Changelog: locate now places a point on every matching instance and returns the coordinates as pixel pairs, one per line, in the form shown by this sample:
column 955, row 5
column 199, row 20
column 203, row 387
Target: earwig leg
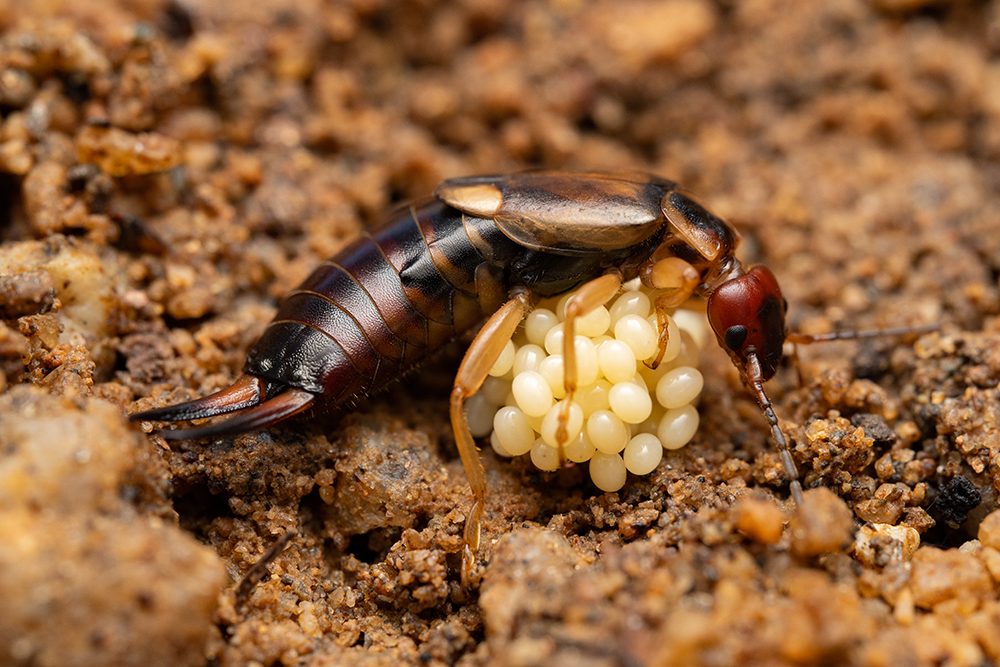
column 246, row 392
column 476, row 365
column 591, row 295
column 679, row 279
column 755, row 379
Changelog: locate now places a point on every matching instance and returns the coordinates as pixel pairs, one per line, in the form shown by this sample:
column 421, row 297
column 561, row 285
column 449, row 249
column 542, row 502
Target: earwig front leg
column 591, row 295
column 476, row 365
column 680, row 280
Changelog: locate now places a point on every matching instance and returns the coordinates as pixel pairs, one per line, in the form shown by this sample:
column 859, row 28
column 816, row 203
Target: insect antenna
column 807, row 339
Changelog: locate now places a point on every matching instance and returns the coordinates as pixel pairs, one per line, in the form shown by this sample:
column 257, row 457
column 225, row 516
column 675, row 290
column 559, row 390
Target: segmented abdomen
column 378, row 307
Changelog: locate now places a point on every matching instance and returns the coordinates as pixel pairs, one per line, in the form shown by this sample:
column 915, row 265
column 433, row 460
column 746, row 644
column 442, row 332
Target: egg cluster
column 613, row 420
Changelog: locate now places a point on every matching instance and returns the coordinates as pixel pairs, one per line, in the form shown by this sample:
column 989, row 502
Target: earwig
column 486, row 248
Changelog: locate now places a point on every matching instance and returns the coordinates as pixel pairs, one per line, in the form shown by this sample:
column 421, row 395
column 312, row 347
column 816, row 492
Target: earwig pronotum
column 487, row 247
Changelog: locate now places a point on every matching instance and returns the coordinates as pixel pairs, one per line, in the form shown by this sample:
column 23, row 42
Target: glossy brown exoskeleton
column 485, row 248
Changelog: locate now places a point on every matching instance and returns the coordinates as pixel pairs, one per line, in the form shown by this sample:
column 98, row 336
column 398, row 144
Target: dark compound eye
column 735, row 337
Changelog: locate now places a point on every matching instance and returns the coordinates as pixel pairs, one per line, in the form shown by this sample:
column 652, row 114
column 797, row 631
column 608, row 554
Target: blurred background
column 170, row 168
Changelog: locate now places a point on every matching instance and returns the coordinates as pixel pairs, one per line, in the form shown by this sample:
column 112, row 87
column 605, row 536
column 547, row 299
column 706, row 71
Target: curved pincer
column 248, row 396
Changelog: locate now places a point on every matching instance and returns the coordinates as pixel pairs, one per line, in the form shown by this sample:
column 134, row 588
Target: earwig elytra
column 486, row 248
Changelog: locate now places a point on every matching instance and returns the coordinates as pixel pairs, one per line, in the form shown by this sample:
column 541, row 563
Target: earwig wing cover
column 563, row 213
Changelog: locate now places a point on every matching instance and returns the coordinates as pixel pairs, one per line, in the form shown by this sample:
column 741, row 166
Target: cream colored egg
column 679, row 387
column 638, row 334
column 498, row 447
column 550, row 423
column 505, row 361
column 677, row 427
column 532, row 392
column 607, row 431
column 538, row 323
column 696, row 324
column 512, row 431
column 544, row 456
column 642, row 454
column 581, row 449
column 594, row 323
column 553, row 371
column 553, row 343
column 527, row 358
column 594, row 397
column 588, row 367
column 631, row 302
column 617, row 361
column 479, row 412
column 607, row 471
column 495, row 390
column 630, row 402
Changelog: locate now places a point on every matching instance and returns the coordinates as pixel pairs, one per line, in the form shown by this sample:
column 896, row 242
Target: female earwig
column 486, row 247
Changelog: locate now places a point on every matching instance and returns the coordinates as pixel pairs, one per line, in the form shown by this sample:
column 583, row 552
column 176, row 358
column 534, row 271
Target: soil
column 170, row 168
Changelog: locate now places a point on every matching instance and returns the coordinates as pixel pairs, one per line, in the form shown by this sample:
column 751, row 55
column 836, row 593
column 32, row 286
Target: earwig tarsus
column 487, row 247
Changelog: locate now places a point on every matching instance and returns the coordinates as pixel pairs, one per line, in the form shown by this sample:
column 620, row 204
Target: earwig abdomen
column 429, row 273
column 376, row 309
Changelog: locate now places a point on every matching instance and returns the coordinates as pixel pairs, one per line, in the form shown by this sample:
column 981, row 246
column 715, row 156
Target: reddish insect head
column 747, row 314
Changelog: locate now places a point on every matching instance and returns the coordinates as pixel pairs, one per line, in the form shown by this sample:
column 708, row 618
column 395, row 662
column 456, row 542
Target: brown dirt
column 169, row 168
